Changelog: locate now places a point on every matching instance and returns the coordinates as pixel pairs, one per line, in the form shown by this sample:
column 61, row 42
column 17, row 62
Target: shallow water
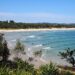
column 51, row 42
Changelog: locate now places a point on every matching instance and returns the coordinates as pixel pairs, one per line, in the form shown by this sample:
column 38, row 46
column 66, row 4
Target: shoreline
column 31, row 29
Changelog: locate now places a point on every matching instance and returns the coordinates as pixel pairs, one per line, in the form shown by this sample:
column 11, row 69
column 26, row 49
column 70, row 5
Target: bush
column 4, row 51
column 19, row 46
column 24, row 65
column 38, row 53
column 8, row 71
column 69, row 56
column 49, row 69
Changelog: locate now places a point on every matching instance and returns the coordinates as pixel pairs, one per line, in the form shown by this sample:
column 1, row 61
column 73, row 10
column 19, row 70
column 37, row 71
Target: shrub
column 69, row 56
column 19, row 46
column 24, row 65
column 49, row 69
column 38, row 53
column 4, row 51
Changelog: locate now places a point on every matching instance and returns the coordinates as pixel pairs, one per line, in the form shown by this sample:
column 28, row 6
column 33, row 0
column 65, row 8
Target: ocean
column 50, row 42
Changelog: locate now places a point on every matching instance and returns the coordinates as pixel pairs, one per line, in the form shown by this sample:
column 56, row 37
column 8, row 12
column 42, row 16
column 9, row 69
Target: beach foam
column 31, row 36
column 47, row 48
column 40, row 45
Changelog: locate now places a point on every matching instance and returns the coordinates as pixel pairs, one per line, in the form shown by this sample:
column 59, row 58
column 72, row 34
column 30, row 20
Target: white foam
column 47, row 48
column 40, row 45
column 31, row 36
column 29, row 49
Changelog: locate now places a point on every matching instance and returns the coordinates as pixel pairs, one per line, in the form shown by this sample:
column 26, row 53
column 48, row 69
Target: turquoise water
column 51, row 42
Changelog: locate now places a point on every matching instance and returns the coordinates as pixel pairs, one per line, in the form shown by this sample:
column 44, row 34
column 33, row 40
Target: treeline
column 20, row 25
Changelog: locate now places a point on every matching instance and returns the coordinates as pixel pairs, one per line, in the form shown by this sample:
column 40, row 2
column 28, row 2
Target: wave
column 47, row 48
column 31, row 36
column 39, row 45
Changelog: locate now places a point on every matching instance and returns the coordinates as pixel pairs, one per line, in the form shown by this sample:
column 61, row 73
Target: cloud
column 37, row 17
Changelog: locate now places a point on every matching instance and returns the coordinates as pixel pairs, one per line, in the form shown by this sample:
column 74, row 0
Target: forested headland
column 19, row 25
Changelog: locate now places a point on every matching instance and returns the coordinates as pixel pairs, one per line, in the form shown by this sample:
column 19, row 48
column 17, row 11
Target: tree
column 11, row 21
column 1, row 46
column 4, row 51
column 69, row 56
column 19, row 47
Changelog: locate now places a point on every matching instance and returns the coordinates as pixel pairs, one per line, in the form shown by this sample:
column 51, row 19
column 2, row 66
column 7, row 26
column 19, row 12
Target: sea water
column 50, row 42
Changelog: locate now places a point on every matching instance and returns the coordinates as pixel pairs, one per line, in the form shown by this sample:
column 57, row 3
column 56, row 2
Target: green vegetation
column 38, row 53
column 69, row 56
column 25, row 68
column 20, row 67
column 19, row 46
column 4, row 51
column 13, row 25
column 49, row 69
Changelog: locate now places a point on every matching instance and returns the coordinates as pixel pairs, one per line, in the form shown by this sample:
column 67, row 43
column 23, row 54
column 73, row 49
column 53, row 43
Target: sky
column 34, row 11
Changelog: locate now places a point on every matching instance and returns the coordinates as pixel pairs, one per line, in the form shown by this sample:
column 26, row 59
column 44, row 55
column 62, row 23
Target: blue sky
column 51, row 11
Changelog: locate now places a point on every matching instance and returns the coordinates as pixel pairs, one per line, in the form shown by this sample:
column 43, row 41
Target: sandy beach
column 41, row 29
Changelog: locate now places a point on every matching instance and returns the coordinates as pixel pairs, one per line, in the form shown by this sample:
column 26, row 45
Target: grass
column 24, row 68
